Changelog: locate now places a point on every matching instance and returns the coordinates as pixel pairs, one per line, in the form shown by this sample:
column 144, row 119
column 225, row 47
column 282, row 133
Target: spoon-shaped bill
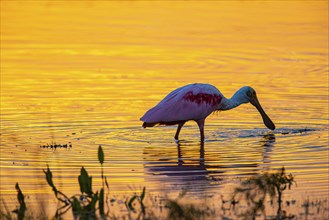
column 267, row 121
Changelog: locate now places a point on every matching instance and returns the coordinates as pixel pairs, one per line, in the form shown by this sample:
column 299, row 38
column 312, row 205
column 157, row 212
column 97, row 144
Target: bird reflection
column 180, row 158
column 187, row 169
column 184, row 167
column 183, row 171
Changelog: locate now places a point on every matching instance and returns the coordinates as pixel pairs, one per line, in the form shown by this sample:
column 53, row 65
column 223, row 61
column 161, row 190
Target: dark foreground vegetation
column 252, row 195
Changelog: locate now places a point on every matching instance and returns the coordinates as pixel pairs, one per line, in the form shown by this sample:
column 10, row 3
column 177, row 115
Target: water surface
column 83, row 73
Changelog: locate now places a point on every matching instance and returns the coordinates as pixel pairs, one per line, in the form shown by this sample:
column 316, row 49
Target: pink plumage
column 190, row 102
column 197, row 101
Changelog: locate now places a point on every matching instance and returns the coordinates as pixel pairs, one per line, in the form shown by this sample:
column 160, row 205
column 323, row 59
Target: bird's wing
column 191, row 102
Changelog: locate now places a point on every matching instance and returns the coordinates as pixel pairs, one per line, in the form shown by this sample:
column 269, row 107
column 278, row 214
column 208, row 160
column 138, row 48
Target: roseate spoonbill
column 197, row 101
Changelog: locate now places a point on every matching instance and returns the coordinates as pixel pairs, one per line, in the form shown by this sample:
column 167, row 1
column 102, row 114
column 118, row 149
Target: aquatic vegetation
column 84, row 204
column 21, row 211
column 22, row 206
column 255, row 189
column 129, row 203
column 179, row 210
column 55, row 146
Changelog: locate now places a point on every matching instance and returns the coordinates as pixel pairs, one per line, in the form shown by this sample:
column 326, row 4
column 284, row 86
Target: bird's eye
column 249, row 94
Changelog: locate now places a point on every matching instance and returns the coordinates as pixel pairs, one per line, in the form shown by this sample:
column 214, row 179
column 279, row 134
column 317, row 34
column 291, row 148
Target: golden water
column 84, row 72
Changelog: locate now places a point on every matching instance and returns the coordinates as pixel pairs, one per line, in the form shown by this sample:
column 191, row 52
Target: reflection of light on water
column 268, row 144
column 89, row 83
column 182, row 173
column 183, row 170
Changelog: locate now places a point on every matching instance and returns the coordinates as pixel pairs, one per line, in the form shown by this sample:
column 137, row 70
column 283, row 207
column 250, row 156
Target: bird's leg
column 180, row 125
column 201, row 127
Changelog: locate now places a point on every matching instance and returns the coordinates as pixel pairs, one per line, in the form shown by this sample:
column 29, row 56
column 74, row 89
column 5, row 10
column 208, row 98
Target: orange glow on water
column 84, row 72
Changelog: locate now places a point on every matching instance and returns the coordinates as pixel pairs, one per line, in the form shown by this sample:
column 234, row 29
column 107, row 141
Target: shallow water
column 87, row 71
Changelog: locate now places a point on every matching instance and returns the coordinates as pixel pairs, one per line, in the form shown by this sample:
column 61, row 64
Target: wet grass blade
column 49, row 178
column 130, row 203
column 143, row 194
column 22, row 206
column 101, row 202
column 85, row 182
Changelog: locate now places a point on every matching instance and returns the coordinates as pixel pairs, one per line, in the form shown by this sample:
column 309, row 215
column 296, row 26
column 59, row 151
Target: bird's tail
column 145, row 124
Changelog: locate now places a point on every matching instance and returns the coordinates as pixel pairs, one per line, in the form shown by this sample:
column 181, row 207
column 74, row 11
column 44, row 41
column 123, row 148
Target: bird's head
column 247, row 94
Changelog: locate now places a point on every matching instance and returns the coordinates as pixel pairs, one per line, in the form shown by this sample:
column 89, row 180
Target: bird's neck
column 233, row 102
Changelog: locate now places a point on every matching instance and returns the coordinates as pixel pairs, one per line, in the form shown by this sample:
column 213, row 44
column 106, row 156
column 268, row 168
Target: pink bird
column 197, row 101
